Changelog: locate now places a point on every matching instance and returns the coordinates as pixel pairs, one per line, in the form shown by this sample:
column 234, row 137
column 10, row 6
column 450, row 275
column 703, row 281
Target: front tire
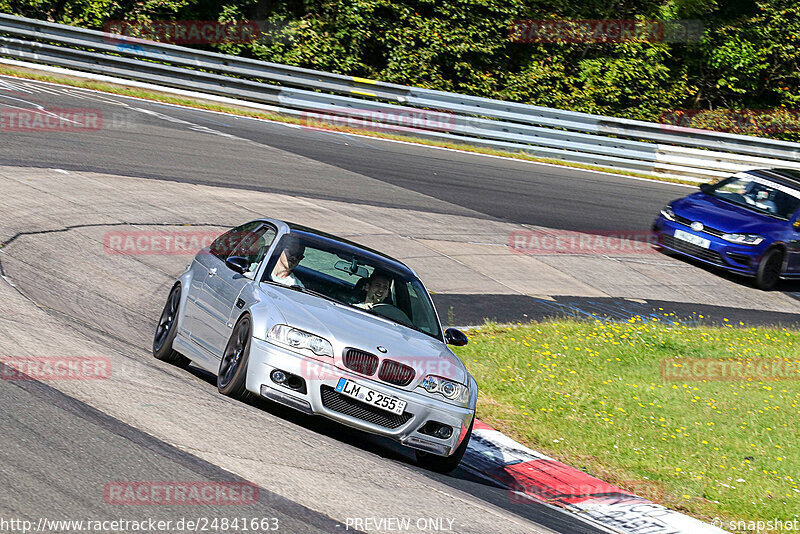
column 232, row 375
column 442, row 464
column 769, row 270
column 167, row 329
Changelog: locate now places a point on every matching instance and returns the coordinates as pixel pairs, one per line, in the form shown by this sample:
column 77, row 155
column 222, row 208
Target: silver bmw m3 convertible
column 327, row 327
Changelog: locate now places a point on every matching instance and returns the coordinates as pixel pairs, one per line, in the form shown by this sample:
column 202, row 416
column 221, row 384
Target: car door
column 193, row 317
column 196, row 316
column 199, row 272
column 222, row 286
column 793, row 246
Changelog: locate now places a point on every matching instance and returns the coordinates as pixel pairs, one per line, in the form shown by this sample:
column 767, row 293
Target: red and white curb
column 530, row 475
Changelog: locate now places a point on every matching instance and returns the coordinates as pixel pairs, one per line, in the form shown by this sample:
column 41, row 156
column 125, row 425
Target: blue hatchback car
column 747, row 224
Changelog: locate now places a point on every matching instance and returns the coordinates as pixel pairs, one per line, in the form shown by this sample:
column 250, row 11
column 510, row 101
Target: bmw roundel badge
column 382, row 349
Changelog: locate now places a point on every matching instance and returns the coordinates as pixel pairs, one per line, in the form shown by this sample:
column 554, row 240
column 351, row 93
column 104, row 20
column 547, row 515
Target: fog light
column 277, row 376
column 444, row 432
column 437, row 430
column 294, row 382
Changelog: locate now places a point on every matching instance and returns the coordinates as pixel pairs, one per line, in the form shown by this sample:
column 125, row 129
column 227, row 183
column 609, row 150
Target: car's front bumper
column 321, row 378
column 742, row 259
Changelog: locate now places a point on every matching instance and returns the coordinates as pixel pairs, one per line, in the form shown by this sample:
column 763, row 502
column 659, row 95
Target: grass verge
column 74, row 81
column 595, row 396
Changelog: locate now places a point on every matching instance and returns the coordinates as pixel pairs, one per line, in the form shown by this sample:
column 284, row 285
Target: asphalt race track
column 152, row 167
column 172, row 143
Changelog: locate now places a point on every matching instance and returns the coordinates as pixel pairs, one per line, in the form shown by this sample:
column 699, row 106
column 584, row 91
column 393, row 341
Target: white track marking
column 12, row 87
column 43, row 89
column 193, row 126
column 40, row 109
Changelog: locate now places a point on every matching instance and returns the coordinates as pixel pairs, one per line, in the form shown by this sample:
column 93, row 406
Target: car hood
column 724, row 216
column 346, row 327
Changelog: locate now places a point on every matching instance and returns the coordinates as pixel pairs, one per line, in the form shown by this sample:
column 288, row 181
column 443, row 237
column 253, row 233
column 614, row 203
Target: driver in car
column 377, row 288
column 763, row 201
column 290, row 256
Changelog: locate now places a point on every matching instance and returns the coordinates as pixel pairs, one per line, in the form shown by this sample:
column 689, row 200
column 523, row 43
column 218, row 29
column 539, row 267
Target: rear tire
column 167, row 329
column 769, row 270
column 232, row 375
column 442, row 464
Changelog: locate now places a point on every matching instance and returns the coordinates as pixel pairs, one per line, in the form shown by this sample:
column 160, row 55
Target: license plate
column 691, row 238
column 370, row 396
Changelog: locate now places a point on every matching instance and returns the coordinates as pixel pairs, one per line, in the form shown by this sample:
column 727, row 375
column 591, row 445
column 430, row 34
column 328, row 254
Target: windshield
column 758, row 194
column 352, row 276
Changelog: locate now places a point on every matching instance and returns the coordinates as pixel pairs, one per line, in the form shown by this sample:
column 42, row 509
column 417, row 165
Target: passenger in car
column 377, row 289
column 291, row 255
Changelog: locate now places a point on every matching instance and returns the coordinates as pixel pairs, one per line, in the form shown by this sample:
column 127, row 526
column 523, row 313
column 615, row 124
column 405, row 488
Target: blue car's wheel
column 769, row 269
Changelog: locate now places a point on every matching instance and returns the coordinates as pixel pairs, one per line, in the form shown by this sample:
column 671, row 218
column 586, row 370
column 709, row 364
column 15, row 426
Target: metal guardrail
column 544, row 132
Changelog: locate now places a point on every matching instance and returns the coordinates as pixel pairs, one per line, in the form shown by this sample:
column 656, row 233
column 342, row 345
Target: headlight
column 298, row 339
column 448, row 389
column 743, row 239
column 667, row 212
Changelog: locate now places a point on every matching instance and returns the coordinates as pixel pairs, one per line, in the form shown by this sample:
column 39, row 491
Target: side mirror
column 238, row 264
column 705, row 188
column 453, row 336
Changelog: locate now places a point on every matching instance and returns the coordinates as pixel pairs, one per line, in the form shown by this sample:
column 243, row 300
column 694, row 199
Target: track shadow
column 463, row 478
column 472, row 309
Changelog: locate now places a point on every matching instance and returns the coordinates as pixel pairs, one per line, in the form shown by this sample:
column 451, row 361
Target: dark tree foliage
column 747, row 58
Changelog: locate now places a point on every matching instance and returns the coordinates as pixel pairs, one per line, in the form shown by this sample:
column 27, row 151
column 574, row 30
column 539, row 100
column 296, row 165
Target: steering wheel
column 390, row 311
